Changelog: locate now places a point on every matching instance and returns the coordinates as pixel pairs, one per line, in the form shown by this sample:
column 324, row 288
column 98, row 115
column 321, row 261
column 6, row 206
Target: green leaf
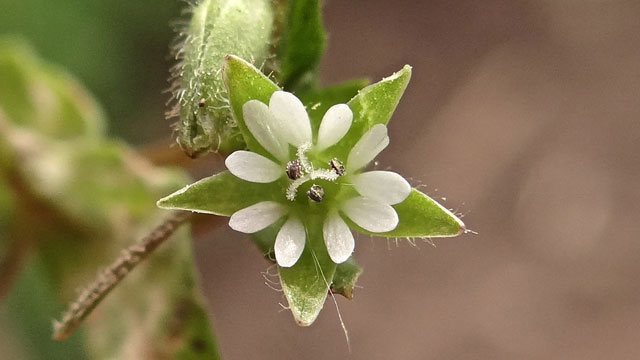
column 421, row 216
column 306, row 284
column 217, row 28
column 220, row 194
column 302, row 45
column 373, row 105
column 344, row 281
column 244, row 82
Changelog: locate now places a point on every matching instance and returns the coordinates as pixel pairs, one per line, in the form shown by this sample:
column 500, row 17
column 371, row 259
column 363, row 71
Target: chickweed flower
column 301, row 185
column 312, row 180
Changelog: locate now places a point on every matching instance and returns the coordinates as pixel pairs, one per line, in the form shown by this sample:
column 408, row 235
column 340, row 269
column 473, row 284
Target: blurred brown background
column 525, row 116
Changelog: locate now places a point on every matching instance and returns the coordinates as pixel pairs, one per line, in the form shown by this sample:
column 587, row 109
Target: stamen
column 293, row 169
column 324, row 174
column 295, row 184
column 302, row 149
column 337, row 166
column 301, row 171
column 316, row 193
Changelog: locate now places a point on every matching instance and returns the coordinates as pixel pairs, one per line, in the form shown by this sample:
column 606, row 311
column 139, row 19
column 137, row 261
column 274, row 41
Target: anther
column 202, row 102
column 337, row 166
column 315, row 193
column 294, row 169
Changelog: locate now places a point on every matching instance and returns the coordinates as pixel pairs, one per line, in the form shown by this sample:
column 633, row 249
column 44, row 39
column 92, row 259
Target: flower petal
column 368, row 147
column 290, row 242
column 384, row 186
column 257, row 216
column 253, row 167
column 291, row 116
column 334, row 126
column 370, row 214
column 265, row 128
column 338, row 238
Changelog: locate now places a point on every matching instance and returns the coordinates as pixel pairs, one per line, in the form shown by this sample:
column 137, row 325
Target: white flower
column 283, row 129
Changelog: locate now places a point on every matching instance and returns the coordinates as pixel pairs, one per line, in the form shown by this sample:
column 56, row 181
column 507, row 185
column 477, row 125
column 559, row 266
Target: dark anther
column 294, row 169
column 315, row 193
column 202, row 102
column 337, row 166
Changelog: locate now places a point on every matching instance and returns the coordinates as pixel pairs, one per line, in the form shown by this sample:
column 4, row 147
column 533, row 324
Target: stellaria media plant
column 297, row 155
column 300, row 188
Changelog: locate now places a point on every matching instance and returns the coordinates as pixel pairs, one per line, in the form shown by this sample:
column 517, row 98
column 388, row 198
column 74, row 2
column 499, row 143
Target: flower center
column 301, row 170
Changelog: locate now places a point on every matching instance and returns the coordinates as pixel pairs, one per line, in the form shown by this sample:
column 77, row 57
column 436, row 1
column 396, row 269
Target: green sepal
column 344, row 281
column 220, row 194
column 318, row 102
column 372, row 105
column 302, row 44
column 346, row 275
column 306, row 284
column 245, row 82
column 421, row 216
column 266, row 238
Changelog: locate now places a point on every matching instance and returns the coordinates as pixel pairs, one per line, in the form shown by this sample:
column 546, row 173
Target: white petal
column 264, row 127
column 257, row 216
column 253, row 167
column 338, row 238
column 368, row 147
column 292, row 117
column 384, row 186
column 289, row 242
column 334, row 126
column 370, row 214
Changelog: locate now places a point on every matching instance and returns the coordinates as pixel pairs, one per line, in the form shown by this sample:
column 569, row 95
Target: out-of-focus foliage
column 302, row 45
column 75, row 199
column 102, row 43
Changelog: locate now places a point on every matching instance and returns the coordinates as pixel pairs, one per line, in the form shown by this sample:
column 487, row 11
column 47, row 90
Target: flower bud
column 217, row 28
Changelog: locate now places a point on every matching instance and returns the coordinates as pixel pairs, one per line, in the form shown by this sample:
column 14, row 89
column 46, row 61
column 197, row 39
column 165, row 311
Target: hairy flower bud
column 217, row 28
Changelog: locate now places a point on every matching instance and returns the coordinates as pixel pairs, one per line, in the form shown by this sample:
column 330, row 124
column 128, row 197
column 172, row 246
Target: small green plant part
column 216, row 28
column 301, row 187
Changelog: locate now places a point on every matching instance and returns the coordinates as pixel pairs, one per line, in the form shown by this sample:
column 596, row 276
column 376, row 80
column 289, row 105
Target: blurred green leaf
column 7, row 216
column 29, row 309
column 83, row 199
column 302, row 44
column 118, row 48
column 43, row 97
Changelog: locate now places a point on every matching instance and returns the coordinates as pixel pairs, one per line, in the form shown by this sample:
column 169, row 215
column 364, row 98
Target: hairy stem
column 114, row 273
